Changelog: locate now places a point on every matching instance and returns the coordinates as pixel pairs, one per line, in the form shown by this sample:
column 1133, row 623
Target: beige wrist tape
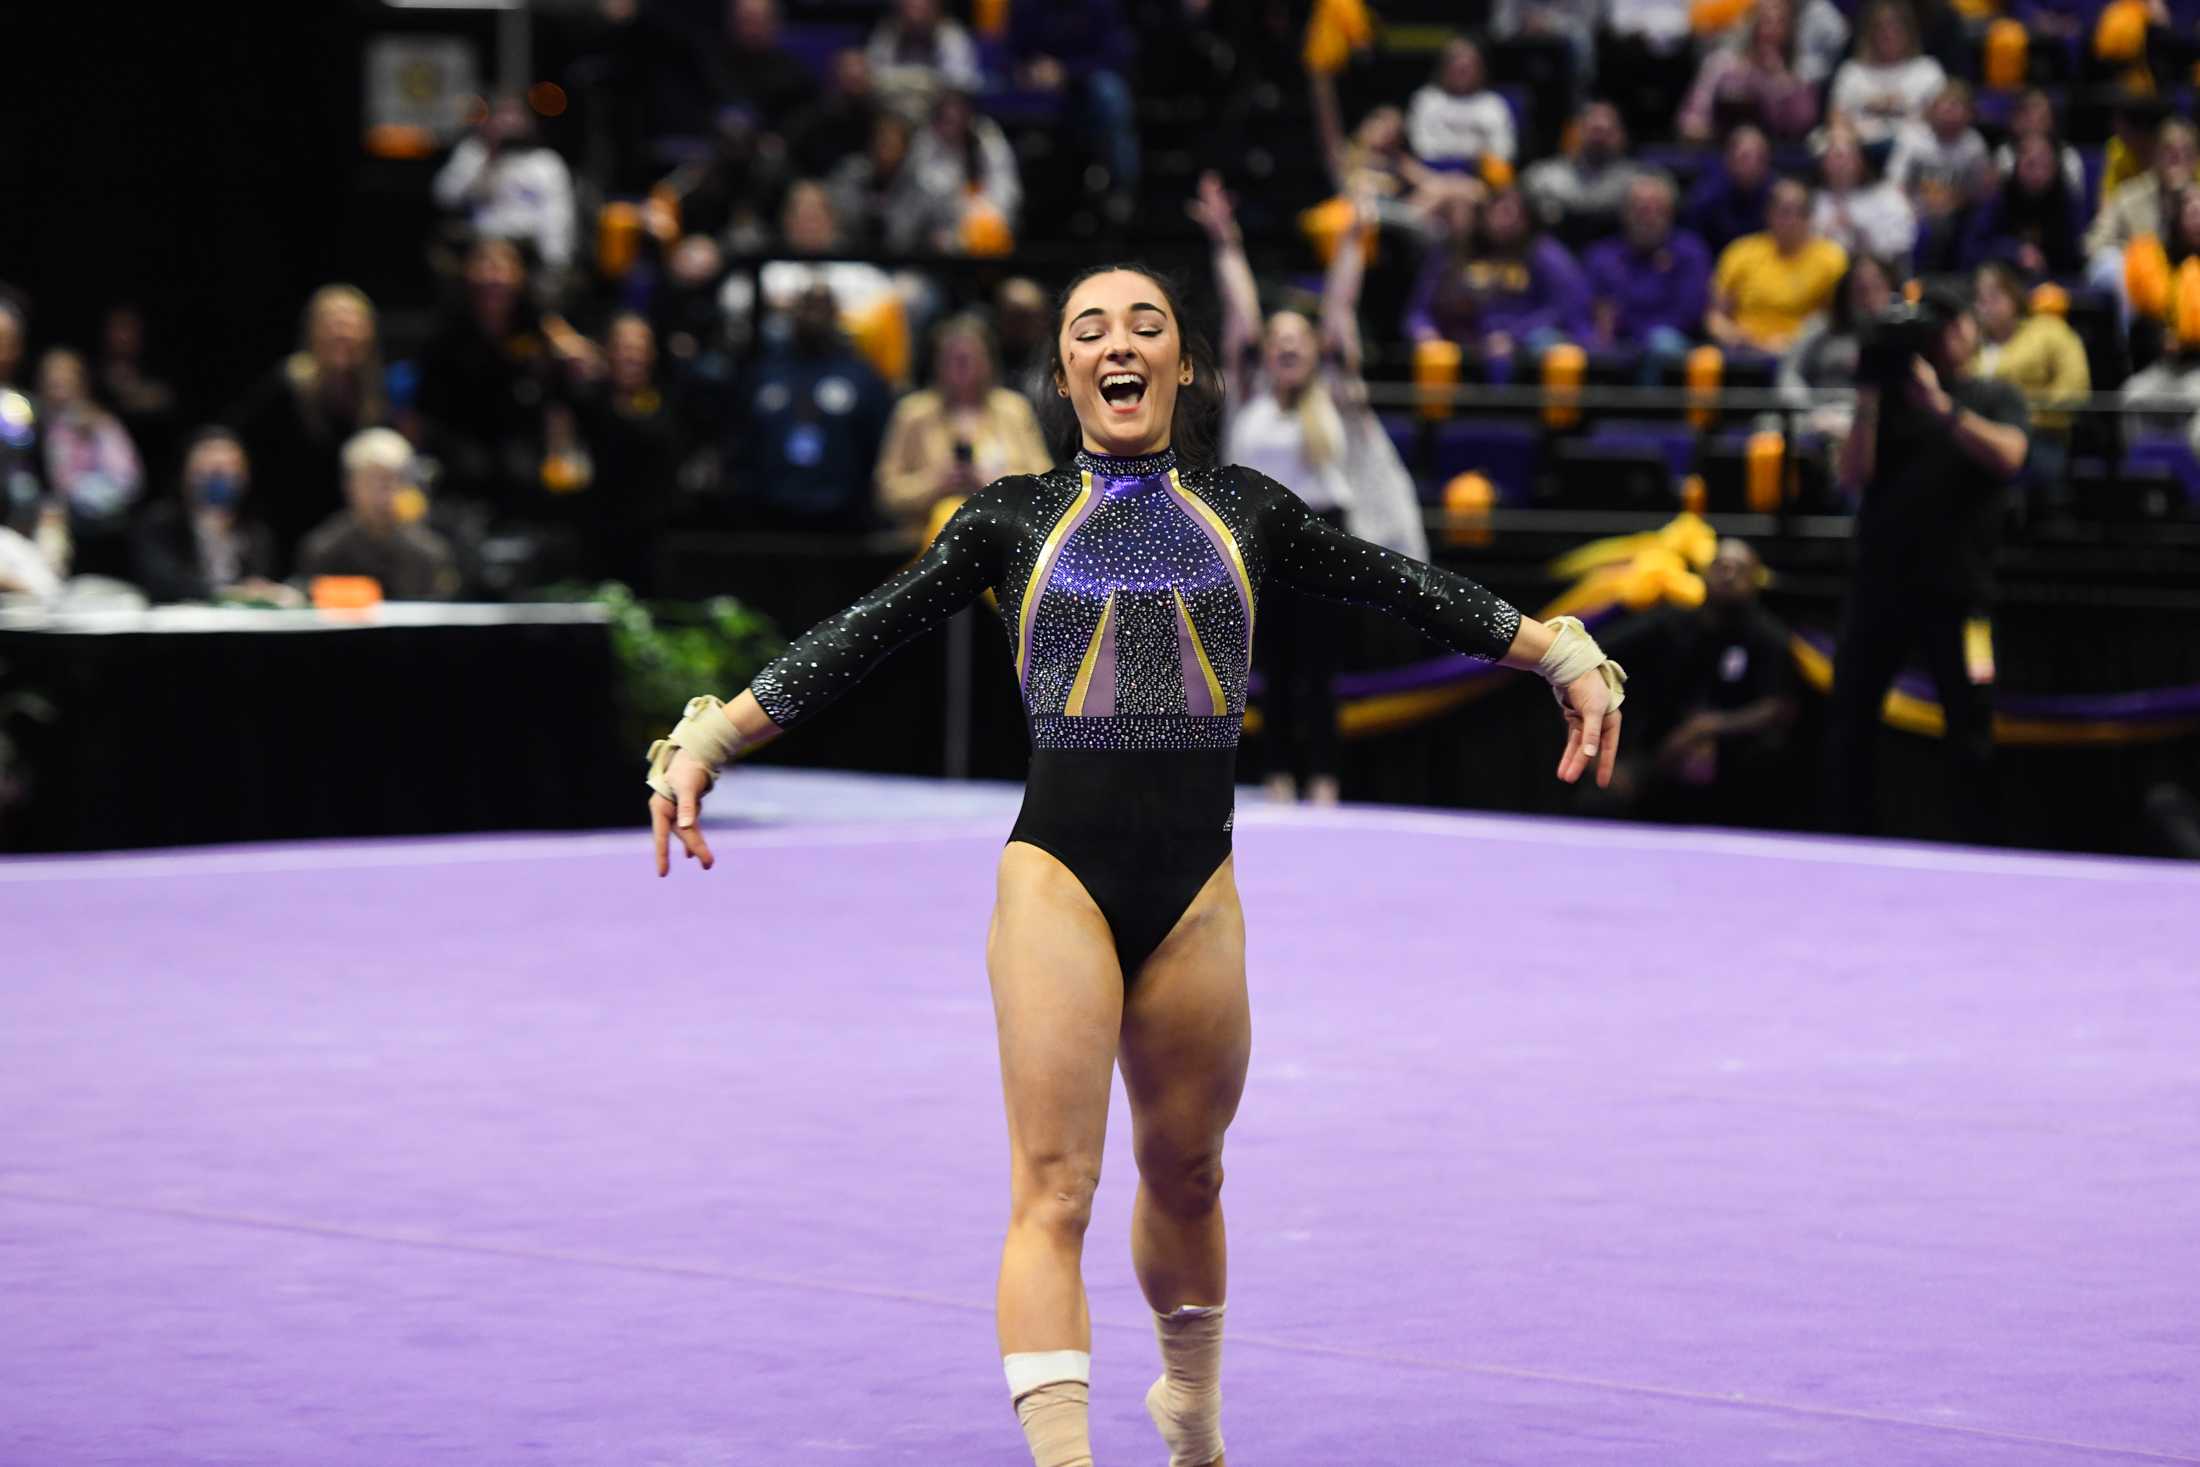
column 704, row 731
column 1573, row 655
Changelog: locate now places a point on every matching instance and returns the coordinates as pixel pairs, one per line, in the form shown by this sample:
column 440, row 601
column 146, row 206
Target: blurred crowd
column 771, row 265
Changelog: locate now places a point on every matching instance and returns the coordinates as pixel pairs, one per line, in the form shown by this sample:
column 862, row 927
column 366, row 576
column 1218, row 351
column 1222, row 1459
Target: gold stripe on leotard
column 1039, row 567
column 1219, row 704
column 1222, row 533
column 1079, row 689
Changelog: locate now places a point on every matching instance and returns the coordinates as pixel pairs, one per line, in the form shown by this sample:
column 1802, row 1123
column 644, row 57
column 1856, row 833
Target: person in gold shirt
column 1768, row 287
column 958, row 435
column 2037, row 353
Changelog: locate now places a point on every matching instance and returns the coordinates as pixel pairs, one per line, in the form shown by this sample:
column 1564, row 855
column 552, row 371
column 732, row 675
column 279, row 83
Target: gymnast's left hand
column 1592, row 730
column 689, row 778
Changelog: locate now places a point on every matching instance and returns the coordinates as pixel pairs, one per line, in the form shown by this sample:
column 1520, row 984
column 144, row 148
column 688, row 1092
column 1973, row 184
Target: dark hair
column 2010, row 281
column 1195, row 432
column 1844, row 314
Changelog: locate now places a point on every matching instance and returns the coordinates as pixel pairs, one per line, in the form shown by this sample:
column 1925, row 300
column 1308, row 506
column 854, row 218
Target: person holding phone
column 953, row 438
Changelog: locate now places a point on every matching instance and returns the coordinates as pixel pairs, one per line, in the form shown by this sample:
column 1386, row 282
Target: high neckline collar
column 1107, row 465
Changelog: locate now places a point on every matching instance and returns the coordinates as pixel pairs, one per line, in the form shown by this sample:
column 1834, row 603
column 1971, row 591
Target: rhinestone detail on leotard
column 1182, row 555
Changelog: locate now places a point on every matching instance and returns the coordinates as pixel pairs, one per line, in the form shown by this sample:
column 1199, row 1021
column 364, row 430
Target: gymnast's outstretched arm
column 830, row 658
column 1309, row 554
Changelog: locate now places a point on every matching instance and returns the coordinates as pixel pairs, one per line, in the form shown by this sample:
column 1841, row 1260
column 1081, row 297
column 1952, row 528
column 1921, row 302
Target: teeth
column 1121, row 379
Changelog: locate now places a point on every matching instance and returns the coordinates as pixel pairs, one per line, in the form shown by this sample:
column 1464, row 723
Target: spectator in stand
column 1455, row 121
column 963, row 169
column 1821, row 33
column 810, row 234
column 634, row 459
column 2034, row 116
column 1730, row 200
column 14, row 335
column 722, row 194
column 1726, row 696
column 1648, row 57
column 2141, row 207
column 1499, row 287
column 2163, row 400
column 1889, row 82
column 951, row 439
column 1755, row 81
column 204, row 545
column 838, row 125
column 146, row 405
column 1297, row 411
column 1941, row 165
column 1571, row 22
column 2042, row 358
column 2033, row 220
column 1650, row 287
column 1769, row 287
column 2162, row 276
column 806, row 427
column 1582, row 192
column 502, row 183
column 1820, row 373
column 295, row 421
column 754, row 70
column 485, row 377
column 1083, row 48
column 370, row 537
column 92, row 468
column 875, row 196
column 915, row 53
column 1861, row 214
column 1023, row 329
column 2137, row 124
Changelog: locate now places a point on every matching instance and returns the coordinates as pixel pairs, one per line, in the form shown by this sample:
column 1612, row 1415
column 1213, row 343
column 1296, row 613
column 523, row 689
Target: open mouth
column 1124, row 391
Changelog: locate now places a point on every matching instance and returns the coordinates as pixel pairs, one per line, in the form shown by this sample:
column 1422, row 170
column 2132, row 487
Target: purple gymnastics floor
column 1564, row 1143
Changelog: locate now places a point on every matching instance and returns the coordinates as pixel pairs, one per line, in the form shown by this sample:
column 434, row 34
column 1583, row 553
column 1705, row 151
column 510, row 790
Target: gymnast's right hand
column 689, row 778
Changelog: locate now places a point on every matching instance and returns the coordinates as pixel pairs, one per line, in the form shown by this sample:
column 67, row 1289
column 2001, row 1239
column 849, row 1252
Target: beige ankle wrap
column 1054, row 1403
column 1186, row 1403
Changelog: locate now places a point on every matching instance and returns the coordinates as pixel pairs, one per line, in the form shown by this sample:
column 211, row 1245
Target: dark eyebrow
column 1097, row 311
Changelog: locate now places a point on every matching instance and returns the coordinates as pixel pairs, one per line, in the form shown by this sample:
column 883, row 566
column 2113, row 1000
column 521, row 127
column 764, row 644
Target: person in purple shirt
column 1730, row 201
column 1085, row 48
column 1649, row 285
column 1502, row 291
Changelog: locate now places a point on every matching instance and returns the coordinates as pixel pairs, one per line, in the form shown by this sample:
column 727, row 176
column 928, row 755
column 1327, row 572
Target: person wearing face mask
column 1298, row 413
column 205, row 544
column 1130, row 579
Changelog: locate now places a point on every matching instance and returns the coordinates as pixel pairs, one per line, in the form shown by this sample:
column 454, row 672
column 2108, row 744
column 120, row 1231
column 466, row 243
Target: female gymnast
column 1129, row 578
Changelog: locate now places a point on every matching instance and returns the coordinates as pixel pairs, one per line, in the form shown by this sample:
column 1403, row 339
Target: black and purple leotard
column 1129, row 590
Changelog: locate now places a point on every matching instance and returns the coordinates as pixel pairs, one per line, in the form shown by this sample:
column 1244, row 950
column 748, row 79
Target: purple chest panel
column 1138, row 624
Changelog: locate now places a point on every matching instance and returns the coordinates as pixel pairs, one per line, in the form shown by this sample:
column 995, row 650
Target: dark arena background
column 407, row 405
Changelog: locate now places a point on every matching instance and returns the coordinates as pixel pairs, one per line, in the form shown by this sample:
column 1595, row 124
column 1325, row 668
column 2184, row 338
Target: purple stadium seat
column 1507, row 453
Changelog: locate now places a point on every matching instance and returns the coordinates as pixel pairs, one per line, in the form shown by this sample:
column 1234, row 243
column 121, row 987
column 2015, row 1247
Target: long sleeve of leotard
column 1309, row 554
column 836, row 654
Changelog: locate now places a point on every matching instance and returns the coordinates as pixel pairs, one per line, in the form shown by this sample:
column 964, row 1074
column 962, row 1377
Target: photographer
column 1932, row 450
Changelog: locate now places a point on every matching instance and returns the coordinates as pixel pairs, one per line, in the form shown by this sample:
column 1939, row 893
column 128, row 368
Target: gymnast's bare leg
column 1187, row 1039
column 1058, row 1004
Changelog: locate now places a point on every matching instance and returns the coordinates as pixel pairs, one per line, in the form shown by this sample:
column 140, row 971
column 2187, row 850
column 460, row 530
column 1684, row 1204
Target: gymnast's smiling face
column 1122, row 362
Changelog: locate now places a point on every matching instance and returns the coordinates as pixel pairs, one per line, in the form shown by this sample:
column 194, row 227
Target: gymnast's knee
column 1183, row 1185
column 1054, row 1193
